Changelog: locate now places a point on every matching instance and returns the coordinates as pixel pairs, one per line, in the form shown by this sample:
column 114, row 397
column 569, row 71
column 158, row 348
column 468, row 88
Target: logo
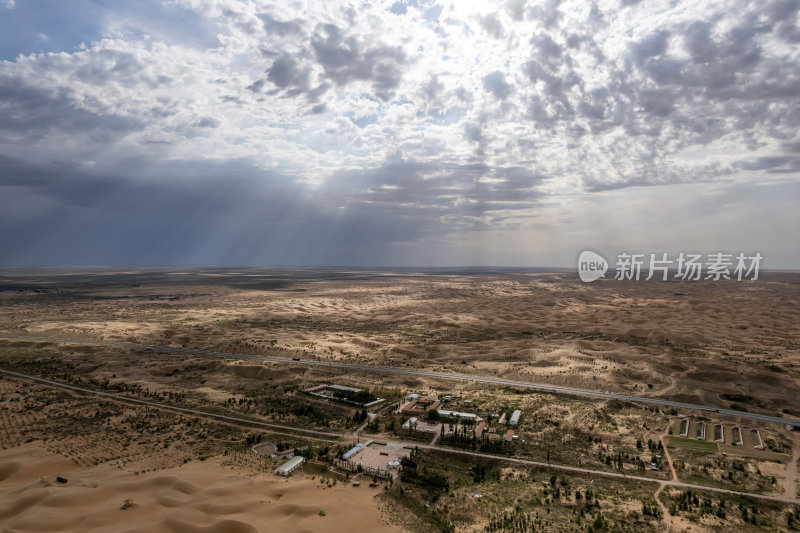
column 591, row 266
column 686, row 267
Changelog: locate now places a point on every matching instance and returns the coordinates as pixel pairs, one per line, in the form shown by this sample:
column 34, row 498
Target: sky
column 399, row 133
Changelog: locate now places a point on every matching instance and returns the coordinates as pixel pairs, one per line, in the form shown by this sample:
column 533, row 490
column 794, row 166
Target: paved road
column 205, row 414
column 424, row 373
column 576, row 469
column 336, row 436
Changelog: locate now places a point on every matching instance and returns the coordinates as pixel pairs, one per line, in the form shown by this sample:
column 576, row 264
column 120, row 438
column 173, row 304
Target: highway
column 426, row 373
column 438, row 448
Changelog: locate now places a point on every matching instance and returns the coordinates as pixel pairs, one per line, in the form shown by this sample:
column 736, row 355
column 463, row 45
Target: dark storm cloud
column 187, row 213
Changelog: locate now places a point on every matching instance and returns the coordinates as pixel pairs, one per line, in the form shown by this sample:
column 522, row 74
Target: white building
column 411, row 423
column 290, row 466
column 459, row 415
column 515, row 418
column 353, row 451
column 411, row 397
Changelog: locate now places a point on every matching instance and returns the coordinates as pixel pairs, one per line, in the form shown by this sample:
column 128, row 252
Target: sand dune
column 198, row 497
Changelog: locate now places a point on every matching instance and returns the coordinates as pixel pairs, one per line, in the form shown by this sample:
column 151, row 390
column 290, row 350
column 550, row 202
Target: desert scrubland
column 722, row 344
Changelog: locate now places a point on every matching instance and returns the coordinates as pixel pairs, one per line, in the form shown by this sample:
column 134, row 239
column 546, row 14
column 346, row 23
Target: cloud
column 345, row 60
column 414, row 120
column 492, row 25
column 30, row 113
column 496, row 84
column 281, row 28
column 229, row 213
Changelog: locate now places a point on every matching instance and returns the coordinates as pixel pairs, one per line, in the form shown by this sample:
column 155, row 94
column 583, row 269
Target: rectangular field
column 693, row 443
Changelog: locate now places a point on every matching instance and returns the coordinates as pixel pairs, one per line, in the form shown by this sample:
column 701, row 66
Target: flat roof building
column 290, row 466
column 515, row 418
column 418, row 406
column 459, row 415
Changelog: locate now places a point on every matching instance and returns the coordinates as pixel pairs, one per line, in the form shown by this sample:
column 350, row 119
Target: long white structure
column 459, row 415
column 354, row 450
column 290, row 466
column 515, row 418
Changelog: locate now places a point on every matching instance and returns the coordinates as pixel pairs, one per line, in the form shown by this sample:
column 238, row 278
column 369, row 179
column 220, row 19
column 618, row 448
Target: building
column 418, row 406
column 515, row 418
column 411, row 423
column 509, row 436
column 378, row 460
column 458, row 415
column 341, row 393
column 290, row 466
column 354, row 450
column 411, row 397
column 479, row 430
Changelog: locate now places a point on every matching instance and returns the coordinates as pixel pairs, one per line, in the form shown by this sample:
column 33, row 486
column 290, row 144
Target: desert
column 181, row 392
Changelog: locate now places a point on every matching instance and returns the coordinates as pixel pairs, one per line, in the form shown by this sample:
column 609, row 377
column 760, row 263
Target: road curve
column 425, row 373
column 336, row 436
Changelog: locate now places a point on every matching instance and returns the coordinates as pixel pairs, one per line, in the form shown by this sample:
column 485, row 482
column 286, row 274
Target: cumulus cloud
column 345, row 59
column 496, row 84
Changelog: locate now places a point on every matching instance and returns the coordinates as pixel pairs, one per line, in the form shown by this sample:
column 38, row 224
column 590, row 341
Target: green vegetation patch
column 693, row 443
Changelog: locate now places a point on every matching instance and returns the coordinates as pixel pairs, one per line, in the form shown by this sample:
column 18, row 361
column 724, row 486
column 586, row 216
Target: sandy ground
column 685, row 341
column 197, row 497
